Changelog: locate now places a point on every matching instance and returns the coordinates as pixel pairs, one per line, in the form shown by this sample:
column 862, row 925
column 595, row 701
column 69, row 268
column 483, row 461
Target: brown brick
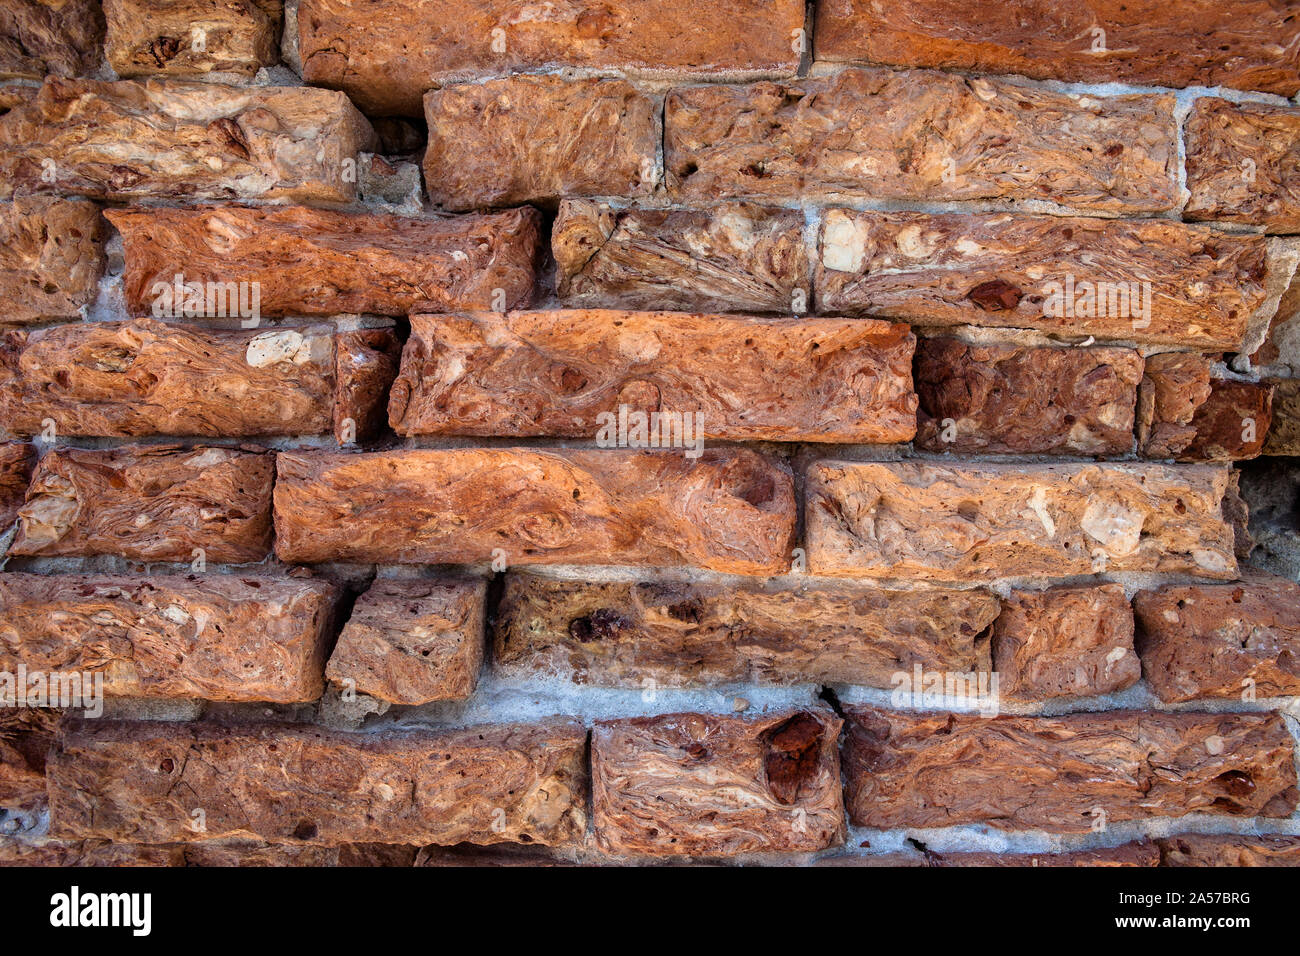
column 1062, row 773
column 731, row 510
column 51, row 258
column 538, row 139
column 365, row 364
column 211, row 636
column 1284, row 432
column 386, row 61
column 156, row 503
column 26, row 733
column 703, row 785
column 1009, row 399
column 1229, row 849
column 930, row 521
column 188, row 37
column 50, row 37
column 572, row 372
column 412, row 642
column 145, row 377
column 735, row 257
column 16, row 459
column 1065, row 642
column 86, row 853
column 683, row 634
column 1044, row 272
column 223, row 853
column 182, row 140
column 1139, row 853
column 1246, row 46
column 1174, row 385
column 317, row 262
column 1233, row 423
column 1228, row 641
column 1243, row 164
column 919, row 136
column 296, row 783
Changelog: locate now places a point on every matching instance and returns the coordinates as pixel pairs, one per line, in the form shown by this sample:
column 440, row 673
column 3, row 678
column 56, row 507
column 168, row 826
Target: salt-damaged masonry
column 596, row 433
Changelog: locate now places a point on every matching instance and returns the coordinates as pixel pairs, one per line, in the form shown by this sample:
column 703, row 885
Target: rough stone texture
column 558, row 372
column 295, row 784
column 538, row 139
column 1065, row 642
column 386, row 57
column 145, row 377
column 25, row 736
column 316, row 262
column 931, row 521
column 1036, row 272
column 54, row 37
column 1061, row 773
column 1232, row 424
column 51, row 258
column 1284, row 435
column 735, row 257
column 1174, row 385
column 1229, row 849
column 1246, row 46
column 412, row 642
column 1281, row 346
column 187, row 37
column 730, row 510
column 1009, row 399
column 703, row 785
column 1140, row 853
column 87, row 853
column 1243, row 164
column 156, row 503
column 182, row 140
column 683, row 634
column 16, row 460
column 919, row 136
column 227, row 853
column 365, row 364
column 1230, row 641
column 210, row 636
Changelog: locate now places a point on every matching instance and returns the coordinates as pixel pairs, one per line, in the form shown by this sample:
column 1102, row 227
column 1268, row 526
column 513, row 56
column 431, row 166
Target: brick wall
column 838, row 433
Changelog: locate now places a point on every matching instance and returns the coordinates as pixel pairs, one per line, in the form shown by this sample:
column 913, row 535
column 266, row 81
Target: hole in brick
column 790, row 756
column 599, row 625
column 305, row 830
column 168, row 765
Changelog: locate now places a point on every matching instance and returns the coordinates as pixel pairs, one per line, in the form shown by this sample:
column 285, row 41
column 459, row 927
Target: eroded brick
column 188, row 37
column 919, row 136
column 155, row 503
column 730, row 510
column 210, row 636
column 386, row 62
column 138, row 782
column 1243, row 164
column 413, row 641
column 682, row 634
column 573, row 373
column 51, row 258
column 703, row 785
column 930, row 521
column 1221, row 640
column 183, row 140
column 317, row 262
column 1060, row 773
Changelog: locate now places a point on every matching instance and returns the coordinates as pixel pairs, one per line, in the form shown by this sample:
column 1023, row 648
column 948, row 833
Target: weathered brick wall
column 966, row 531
